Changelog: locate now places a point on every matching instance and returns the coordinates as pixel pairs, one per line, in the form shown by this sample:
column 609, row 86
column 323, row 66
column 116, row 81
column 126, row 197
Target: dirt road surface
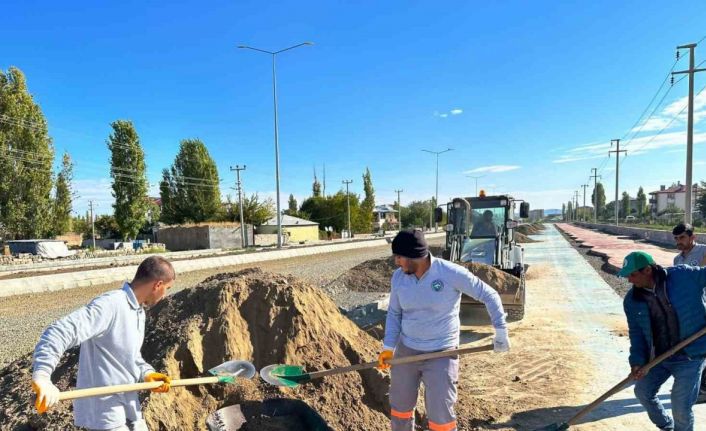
column 570, row 348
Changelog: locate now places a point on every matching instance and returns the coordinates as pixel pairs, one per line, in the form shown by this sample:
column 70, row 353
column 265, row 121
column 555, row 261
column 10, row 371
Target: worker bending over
column 664, row 307
column 423, row 316
column 110, row 331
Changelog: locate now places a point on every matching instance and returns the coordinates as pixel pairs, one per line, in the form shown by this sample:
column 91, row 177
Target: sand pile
column 252, row 315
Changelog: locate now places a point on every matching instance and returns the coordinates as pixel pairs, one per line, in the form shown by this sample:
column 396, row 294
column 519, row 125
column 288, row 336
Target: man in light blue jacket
column 423, row 316
column 110, row 331
column 664, row 307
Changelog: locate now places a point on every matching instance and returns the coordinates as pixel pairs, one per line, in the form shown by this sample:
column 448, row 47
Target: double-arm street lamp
column 436, row 198
column 274, row 96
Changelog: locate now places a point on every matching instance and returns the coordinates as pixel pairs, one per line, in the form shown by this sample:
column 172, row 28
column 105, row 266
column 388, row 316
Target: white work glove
column 501, row 342
column 47, row 393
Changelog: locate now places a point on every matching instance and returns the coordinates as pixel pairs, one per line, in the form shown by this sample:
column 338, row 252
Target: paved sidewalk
column 614, row 248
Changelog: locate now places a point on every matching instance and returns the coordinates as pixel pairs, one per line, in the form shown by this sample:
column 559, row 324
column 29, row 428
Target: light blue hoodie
column 424, row 314
column 110, row 331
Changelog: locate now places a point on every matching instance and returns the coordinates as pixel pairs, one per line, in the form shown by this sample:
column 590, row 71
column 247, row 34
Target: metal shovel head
column 290, row 376
column 228, row 371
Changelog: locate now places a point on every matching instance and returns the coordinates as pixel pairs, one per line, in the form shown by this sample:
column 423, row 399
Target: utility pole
column 584, row 200
column 476, row 179
column 595, row 177
column 93, row 225
column 617, row 152
column 689, row 129
column 238, row 186
column 399, row 210
column 348, row 198
column 436, row 199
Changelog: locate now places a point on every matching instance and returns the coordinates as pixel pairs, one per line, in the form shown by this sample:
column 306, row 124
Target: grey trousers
column 440, row 378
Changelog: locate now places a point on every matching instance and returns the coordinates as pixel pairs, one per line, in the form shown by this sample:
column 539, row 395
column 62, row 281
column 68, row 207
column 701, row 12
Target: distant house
column 297, row 228
column 384, row 213
column 675, row 195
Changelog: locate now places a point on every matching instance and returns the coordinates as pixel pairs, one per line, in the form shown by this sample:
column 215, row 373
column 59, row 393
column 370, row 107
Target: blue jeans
column 687, row 378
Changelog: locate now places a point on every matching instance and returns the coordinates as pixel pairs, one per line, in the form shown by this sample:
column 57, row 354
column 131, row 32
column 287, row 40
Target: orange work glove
column 159, row 377
column 47, row 393
column 384, row 356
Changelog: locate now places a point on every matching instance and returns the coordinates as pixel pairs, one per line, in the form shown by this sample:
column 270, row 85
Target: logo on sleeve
column 437, row 285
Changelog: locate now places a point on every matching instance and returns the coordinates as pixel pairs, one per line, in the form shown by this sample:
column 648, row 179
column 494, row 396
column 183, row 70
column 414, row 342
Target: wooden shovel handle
column 405, row 360
column 131, row 387
column 646, row 368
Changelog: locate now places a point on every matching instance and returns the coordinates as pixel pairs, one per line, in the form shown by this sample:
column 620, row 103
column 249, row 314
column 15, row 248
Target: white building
column 675, row 195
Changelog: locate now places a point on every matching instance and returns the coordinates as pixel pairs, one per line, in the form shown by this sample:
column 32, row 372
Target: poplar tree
column 63, row 198
column 26, row 157
column 129, row 174
column 190, row 189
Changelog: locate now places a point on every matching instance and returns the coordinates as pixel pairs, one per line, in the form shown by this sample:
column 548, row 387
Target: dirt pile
column 529, row 229
column 522, row 238
column 252, row 315
column 499, row 280
column 374, row 276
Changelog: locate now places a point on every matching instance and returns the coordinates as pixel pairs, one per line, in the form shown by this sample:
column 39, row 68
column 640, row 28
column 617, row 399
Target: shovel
column 294, row 375
column 620, row 386
column 224, row 373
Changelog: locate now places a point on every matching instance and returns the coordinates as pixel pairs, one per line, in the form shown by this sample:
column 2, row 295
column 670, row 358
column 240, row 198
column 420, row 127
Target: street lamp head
column 243, row 46
column 308, row 43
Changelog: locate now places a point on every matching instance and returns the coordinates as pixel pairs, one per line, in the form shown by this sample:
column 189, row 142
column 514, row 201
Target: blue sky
column 528, row 94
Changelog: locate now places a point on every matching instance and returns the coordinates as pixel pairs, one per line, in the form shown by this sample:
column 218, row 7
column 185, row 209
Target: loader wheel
column 515, row 313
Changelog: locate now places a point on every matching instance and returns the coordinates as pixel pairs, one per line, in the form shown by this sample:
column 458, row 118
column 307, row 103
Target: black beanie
column 410, row 244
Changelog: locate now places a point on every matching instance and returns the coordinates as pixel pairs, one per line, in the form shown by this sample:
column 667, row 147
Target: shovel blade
column 243, row 369
column 289, row 376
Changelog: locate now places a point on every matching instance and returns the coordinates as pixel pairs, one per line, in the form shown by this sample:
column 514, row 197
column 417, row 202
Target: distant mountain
column 551, row 212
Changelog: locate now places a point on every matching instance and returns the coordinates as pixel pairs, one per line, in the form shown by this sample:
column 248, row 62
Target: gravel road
column 24, row 317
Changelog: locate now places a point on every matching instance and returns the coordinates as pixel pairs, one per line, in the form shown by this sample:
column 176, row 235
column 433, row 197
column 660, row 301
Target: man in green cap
column 664, row 307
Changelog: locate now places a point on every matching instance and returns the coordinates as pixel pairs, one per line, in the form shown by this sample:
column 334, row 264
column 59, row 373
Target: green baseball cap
column 634, row 262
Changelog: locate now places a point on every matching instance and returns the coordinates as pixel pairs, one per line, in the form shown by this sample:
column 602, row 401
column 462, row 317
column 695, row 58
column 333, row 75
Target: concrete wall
column 662, row 237
column 178, row 238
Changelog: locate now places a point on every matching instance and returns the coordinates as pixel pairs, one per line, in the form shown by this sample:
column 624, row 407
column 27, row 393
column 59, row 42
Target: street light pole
column 436, row 196
column 476, row 179
column 274, row 97
column 348, row 199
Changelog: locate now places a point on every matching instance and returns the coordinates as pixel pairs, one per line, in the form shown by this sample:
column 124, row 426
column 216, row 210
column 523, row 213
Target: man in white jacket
column 423, row 316
column 110, row 331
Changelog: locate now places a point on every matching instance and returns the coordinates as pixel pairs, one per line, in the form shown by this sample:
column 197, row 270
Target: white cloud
column 455, row 111
column 493, row 169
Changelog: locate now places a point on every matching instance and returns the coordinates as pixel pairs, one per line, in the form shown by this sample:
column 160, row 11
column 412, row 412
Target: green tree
column 365, row 217
column 599, row 203
column 292, row 206
column 641, row 203
column 63, row 197
column 316, row 187
column 701, row 200
column 190, row 190
column 255, row 212
column 333, row 211
column 26, row 158
column 625, row 205
column 128, row 170
column 563, row 212
column 106, row 227
column 570, row 210
column 416, row 214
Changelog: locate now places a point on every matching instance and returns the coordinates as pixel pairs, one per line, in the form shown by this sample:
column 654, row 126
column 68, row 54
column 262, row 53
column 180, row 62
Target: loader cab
column 489, row 230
